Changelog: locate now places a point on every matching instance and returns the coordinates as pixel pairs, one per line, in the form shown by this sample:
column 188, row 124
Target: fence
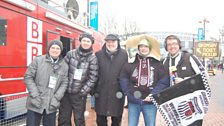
column 13, row 109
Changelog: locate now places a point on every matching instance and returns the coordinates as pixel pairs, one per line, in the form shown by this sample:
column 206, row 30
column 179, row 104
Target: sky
column 166, row 15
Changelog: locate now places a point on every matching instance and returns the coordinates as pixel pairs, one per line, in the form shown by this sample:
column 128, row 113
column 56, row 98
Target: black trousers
column 197, row 123
column 72, row 103
column 101, row 120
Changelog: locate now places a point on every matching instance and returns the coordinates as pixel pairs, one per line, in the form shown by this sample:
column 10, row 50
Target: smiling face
column 86, row 43
column 173, row 46
column 55, row 51
column 112, row 45
column 144, row 50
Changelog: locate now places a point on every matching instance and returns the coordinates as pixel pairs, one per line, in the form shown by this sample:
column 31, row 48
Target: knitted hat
column 86, row 35
column 56, row 42
column 146, row 43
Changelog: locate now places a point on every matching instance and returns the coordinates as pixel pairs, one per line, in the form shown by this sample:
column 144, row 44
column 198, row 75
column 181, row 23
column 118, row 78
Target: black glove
column 82, row 92
column 92, row 92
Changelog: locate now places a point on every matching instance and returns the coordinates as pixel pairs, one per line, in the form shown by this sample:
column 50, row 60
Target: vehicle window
column 3, row 31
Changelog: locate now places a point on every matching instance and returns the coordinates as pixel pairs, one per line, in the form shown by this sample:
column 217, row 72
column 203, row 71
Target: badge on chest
column 78, row 74
column 53, row 81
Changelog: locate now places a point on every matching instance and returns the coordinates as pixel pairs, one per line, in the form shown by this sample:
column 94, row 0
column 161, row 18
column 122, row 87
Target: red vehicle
column 26, row 27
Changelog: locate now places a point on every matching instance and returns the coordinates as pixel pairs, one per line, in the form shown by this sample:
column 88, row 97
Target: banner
column 94, row 15
column 201, row 34
column 184, row 103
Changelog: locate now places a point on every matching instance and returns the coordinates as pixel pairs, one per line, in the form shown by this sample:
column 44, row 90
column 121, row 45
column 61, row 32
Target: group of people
column 55, row 82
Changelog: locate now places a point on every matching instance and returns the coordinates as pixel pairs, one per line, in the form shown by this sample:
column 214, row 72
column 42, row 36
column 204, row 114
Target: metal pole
column 204, row 21
column 88, row 13
column 193, row 45
column 204, row 39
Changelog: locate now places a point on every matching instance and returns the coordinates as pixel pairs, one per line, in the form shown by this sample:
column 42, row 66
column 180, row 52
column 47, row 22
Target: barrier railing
column 13, row 109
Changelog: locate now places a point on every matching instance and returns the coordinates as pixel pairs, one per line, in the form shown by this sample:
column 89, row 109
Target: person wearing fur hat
column 109, row 100
column 141, row 78
column 46, row 81
column 83, row 74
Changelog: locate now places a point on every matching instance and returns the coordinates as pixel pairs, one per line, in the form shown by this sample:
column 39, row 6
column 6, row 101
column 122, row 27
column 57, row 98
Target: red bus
column 26, row 27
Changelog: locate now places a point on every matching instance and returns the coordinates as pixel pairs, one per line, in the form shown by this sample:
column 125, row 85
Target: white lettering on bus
column 34, row 39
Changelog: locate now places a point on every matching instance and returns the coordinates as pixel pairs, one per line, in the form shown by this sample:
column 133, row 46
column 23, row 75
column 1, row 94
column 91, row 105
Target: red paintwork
column 13, row 56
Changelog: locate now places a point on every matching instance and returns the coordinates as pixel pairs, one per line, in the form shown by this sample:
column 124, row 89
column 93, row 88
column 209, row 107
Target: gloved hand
column 82, row 92
column 54, row 104
column 36, row 102
column 92, row 92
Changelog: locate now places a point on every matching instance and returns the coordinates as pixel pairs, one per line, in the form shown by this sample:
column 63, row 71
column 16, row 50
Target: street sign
column 206, row 49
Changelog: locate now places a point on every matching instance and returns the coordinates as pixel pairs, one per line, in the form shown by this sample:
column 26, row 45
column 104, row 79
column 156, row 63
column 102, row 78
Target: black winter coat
column 184, row 66
column 87, row 61
column 108, row 93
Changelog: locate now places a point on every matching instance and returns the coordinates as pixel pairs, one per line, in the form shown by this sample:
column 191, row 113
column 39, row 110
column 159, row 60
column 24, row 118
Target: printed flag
column 185, row 103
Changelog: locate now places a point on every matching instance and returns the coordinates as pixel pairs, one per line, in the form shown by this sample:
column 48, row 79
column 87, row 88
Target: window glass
column 3, row 31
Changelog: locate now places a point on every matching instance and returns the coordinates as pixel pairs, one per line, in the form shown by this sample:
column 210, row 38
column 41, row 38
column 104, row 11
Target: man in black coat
column 108, row 93
column 83, row 71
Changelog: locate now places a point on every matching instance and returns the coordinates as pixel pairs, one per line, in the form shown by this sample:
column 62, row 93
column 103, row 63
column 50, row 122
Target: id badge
column 53, row 81
column 78, row 74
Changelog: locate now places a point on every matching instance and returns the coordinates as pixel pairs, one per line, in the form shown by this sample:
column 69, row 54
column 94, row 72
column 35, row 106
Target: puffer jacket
column 36, row 78
column 86, row 61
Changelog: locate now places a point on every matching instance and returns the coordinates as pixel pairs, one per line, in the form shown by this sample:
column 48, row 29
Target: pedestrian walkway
column 214, row 117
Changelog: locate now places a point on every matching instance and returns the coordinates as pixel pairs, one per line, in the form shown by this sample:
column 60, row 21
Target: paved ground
column 214, row 117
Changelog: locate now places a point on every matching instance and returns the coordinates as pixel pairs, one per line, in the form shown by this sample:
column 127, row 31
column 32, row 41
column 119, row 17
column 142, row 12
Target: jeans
column 92, row 101
column 148, row 110
column 34, row 118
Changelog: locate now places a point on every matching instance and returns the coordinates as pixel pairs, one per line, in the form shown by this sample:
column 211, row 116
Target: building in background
column 187, row 39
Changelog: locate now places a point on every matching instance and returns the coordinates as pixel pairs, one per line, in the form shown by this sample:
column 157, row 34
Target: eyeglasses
column 173, row 44
column 55, row 48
